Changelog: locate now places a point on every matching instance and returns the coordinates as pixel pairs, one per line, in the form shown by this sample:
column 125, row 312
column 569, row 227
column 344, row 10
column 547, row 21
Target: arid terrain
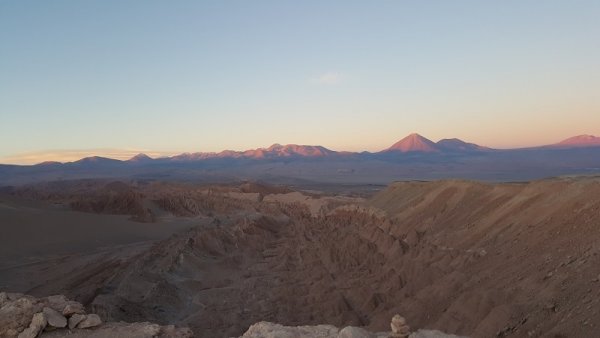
column 299, row 169
column 465, row 257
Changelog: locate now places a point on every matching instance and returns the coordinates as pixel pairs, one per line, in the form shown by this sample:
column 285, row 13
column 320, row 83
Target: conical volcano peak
column 414, row 143
column 140, row 157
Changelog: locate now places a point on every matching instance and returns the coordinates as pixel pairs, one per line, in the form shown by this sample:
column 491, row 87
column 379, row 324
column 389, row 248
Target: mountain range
column 413, row 157
column 417, row 143
column 413, row 143
column 274, row 151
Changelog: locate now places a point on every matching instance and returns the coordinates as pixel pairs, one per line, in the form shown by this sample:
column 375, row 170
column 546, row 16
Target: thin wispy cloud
column 329, row 78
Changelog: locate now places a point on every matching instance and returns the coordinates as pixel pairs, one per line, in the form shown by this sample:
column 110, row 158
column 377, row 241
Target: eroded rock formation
column 272, row 330
column 484, row 260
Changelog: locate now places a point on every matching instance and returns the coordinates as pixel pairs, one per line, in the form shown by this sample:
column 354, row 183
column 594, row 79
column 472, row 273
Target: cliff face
column 506, row 259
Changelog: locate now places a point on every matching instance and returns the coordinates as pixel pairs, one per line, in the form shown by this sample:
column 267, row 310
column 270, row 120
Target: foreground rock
column 90, row 320
column 16, row 314
column 398, row 324
column 38, row 323
column 272, row 330
column 29, row 317
column 121, row 329
column 55, row 318
column 399, row 327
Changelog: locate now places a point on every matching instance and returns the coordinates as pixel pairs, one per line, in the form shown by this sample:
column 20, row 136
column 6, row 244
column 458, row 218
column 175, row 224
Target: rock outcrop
column 38, row 323
column 25, row 316
column 399, row 329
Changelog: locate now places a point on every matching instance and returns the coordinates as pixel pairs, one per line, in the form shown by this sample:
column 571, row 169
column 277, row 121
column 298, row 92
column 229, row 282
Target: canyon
column 464, row 257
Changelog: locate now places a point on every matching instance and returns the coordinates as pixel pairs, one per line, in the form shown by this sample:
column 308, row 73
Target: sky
column 104, row 77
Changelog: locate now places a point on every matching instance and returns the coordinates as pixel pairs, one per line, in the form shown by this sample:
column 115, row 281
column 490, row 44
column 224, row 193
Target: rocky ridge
column 25, row 316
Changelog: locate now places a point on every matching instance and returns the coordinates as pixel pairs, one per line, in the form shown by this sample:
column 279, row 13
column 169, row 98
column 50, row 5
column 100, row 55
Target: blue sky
column 174, row 76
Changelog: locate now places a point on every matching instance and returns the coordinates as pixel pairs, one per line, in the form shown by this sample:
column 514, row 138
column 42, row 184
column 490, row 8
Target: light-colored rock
column 124, row 330
column 15, row 315
column 14, row 295
column 151, row 330
column 72, row 308
column 57, row 302
column 354, row 332
column 399, row 327
column 75, row 319
column 55, row 318
column 11, row 333
column 38, row 323
column 432, row 334
column 39, row 319
column 397, row 321
column 3, row 298
column 90, row 320
column 271, row 330
column 28, row 317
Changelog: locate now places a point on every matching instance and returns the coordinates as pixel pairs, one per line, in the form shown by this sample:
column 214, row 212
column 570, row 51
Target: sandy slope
column 38, row 230
column 520, row 258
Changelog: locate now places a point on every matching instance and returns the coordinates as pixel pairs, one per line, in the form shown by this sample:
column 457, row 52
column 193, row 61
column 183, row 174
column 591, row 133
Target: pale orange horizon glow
column 31, row 158
column 74, row 155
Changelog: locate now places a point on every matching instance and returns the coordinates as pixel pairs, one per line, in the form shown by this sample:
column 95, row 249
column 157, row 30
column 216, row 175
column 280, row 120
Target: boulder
column 55, row 318
column 57, row 302
column 15, row 315
column 90, row 320
column 38, row 323
column 75, row 319
column 73, row 308
column 399, row 327
column 28, row 317
column 272, row 330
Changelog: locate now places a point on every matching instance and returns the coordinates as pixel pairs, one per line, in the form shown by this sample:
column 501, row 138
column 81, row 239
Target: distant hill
column 274, row 151
column 288, row 150
column 140, row 158
column 95, row 160
column 454, row 144
column 578, row 141
column 412, row 158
